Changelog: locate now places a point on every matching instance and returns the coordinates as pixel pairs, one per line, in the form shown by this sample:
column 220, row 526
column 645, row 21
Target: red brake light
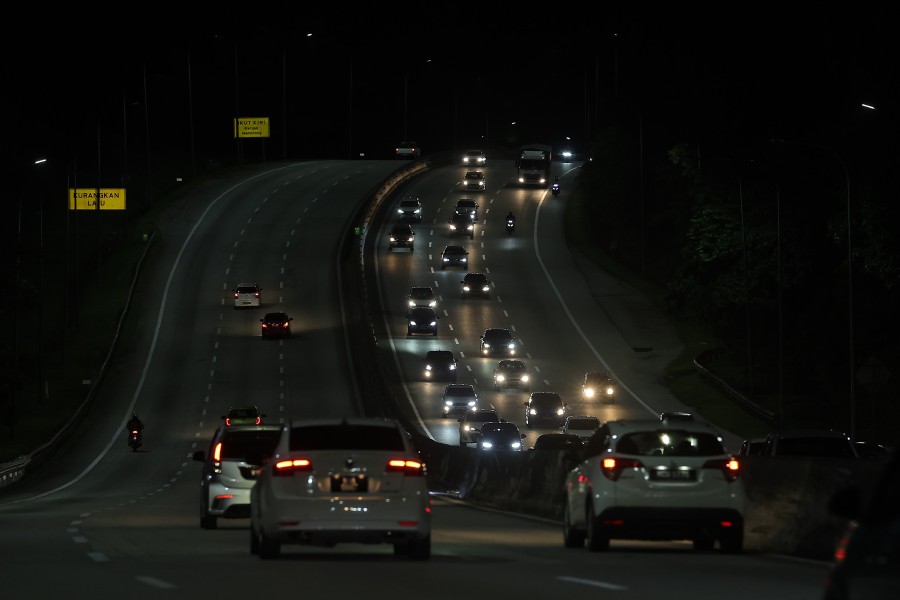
column 235, row 295
column 258, row 420
column 291, row 466
column 228, row 421
column 731, row 467
column 612, row 467
column 407, row 467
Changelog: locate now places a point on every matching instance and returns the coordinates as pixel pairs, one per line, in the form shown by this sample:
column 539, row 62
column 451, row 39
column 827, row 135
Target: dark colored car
column 421, row 319
column 276, row 324
column 511, row 373
column 475, row 284
column 501, row 435
column 401, row 236
column 495, row 341
column 243, row 415
column 470, row 424
column 421, row 296
column 460, row 224
column 467, row 206
column 440, row 365
column 560, row 441
column 454, row 256
column 868, row 554
column 819, row 443
column 545, row 408
column 599, row 385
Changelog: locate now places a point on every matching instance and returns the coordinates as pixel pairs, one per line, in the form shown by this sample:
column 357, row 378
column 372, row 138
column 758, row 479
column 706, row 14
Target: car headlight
column 524, row 378
column 516, row 445
column 448, row 403
column 452, row 367
column 484, row 289
column 532, row 411
column 393, row 239
column 560, row 412
column 433, row 323
column 453, row 227
column 410, row 238
column 465, row 288
column 445, row 259
column 500, row 378
column 471, row 403
column 412, row 323
column 412, row 303
column 487, row 445
column 487, row 345
column 589, row 392
column 610, row 391
column 467, row 428
column 427, row 367
column 417, row 211
column 432, row 304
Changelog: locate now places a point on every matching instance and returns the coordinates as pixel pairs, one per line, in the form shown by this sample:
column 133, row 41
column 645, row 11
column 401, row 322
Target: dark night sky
column 724, row 70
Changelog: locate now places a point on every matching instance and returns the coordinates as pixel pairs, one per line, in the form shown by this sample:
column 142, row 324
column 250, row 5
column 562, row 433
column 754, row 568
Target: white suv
column 648, row 480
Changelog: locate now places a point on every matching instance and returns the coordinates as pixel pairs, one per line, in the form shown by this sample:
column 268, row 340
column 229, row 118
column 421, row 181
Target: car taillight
column 258, row 420
column 612, row 467
column 405, row 466
column 291, row 466
column 217, row 453
column 731, row 467
column 236, row 295
column 227, row 421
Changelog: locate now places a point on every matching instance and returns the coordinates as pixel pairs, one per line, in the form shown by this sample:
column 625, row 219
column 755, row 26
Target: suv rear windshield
column 345, row 437
column 251, row 443
column 670, row 442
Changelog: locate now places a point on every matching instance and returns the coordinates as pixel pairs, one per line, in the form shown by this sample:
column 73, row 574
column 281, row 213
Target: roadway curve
column 99, row 520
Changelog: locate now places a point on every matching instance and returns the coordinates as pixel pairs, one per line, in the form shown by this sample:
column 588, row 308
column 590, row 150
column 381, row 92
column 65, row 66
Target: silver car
column 247, row 295
column 230, row 467
column 350, row 480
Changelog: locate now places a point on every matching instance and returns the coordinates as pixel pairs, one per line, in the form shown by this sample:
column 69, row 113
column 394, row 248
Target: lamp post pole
column 850, row 343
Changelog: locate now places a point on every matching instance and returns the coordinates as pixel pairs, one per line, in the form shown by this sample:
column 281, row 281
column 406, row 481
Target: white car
column 474, row 180
column 247, row 295
column 645, row 480
column 583, row 426
column 350, row 480
column 474, row 157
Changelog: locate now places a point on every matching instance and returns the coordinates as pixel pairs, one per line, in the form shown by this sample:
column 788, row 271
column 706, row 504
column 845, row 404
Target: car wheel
column 732, row 540
column 208, row 521
column 704, row 543
column 597, row 539
column 572, row 536
column 268, row 548
column 420, row 549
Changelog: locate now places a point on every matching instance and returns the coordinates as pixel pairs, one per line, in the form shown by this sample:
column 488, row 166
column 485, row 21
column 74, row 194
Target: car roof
column 420, row 289
column 410, row 201
column 466, row 202
column 275, row 315
column 473, row 151
column 510, row 362
column 475, row 276
column 499, row 426
column 544, row 397
column 440, row 353
column 457, row 387
column 403, row 226
column 452, row 249
column 621, row 426
column 496, row 331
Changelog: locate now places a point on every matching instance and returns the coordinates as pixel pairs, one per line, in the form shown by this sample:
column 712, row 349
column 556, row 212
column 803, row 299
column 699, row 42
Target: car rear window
column 670, row 442
column 345, row 437
column 246, row 290
column 250, row 445
column 584, row 424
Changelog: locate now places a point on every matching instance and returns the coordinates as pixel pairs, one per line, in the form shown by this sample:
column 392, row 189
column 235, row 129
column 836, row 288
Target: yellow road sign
column 86, row 198
column 251, row 127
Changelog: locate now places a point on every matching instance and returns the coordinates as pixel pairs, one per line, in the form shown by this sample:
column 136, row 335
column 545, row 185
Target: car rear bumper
column 667, row 523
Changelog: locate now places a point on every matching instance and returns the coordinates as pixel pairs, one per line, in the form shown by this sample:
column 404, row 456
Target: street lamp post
column 850, row 344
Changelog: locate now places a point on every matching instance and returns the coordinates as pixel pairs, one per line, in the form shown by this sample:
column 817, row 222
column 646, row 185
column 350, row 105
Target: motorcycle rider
column 510, row 218
column 135, row 423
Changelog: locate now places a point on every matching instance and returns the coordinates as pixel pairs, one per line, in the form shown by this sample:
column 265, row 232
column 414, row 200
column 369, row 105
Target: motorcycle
column 510, row 225
column 555, row 190
column 135, row 439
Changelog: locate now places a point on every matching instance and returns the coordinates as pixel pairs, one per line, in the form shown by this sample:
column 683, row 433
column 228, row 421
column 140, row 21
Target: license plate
column 673, row 475
column 349, row 483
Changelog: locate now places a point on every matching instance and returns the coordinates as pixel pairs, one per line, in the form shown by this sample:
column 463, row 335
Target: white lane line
column 79, row 539
column 154, row 582
column 97, row 557
column 591, row 582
